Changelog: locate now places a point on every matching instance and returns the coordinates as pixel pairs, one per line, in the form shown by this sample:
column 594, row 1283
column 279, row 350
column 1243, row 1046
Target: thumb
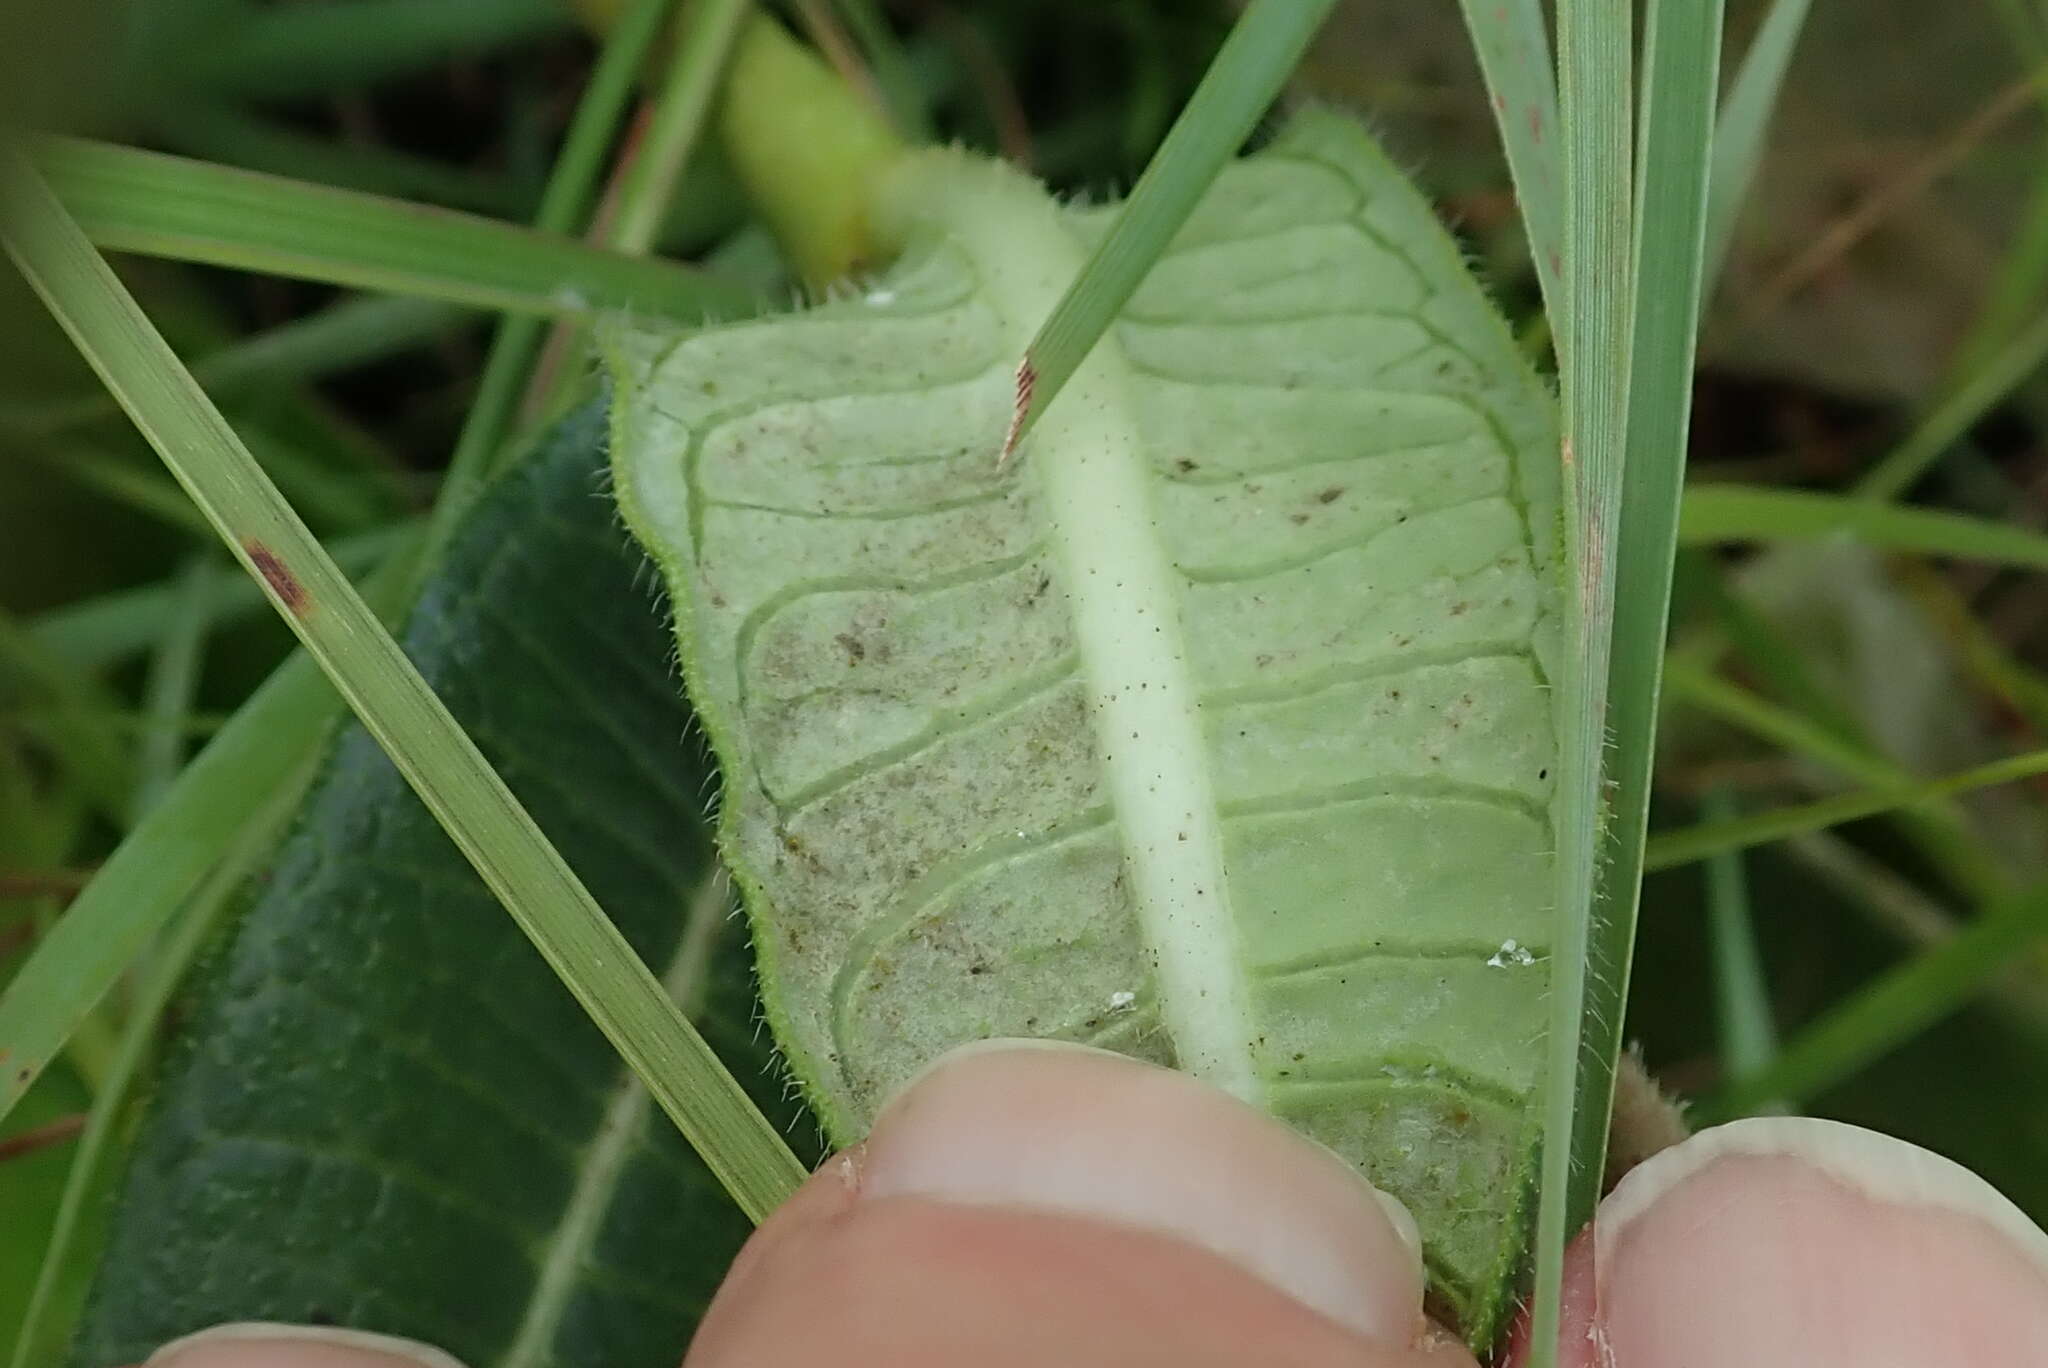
column 1792, row 1240
column 1024, row 1204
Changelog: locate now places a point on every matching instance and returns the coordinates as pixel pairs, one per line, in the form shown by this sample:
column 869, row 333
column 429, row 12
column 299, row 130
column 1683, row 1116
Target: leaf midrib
column 611, row 1148
column 1095, row 487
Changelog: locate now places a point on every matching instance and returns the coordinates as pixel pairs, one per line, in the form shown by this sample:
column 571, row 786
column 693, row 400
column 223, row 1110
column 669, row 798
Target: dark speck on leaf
column 281, row 580
column 1330, row 495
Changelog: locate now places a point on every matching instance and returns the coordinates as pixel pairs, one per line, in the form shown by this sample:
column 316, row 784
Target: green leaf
column 386, row 1110
column 1725, row 513
column 134, row 201
column 1213, row 727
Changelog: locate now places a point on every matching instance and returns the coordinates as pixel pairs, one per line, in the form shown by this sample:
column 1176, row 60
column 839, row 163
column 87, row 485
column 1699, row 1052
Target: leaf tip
column 1020, row 410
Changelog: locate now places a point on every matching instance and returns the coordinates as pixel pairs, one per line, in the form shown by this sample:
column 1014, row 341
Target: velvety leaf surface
column 385, row 1111
column 1214, row 728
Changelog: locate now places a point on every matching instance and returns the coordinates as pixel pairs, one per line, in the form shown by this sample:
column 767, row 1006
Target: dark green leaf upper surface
column 384, row 1111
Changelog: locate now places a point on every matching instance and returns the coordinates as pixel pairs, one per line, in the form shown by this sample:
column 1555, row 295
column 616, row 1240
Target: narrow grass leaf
column 1770, row 654
column 1942, row 832
column 1900, row 909
column 1745, row 119
column 1991, row 663
column 564, row 204
column 437, row 759
column 661, row 151
column 1681, row 46
column 85, row 749
column 171, row 687
column 1669, row 849
column 154, row 869
column 681, row 110
column 1742, row 513
column 1595, row 115
column 1742, row 1005
column 1254, row 62
column 1889, row 1011
column 1521, row 82
column 158, row 205
column 891, row 65
column 225, row 132
column 1963, row 408
column 302, row 50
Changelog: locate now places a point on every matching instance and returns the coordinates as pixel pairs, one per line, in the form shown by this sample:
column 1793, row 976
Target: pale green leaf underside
column 1213, row 729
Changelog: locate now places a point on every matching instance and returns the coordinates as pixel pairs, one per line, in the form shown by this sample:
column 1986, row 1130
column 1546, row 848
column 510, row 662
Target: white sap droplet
column 881, row 297
column 1121, row 1000
column 1510, row 953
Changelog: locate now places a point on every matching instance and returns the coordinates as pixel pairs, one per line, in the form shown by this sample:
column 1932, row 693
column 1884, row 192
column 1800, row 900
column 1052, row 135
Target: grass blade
column 169, row 691
column 227, row 133
column 1943, row 834
column 75, row 731
column 1681, row 43
column 1745, row 119
column 1669, row 849
column 661, row 151
column 1749, row 1038
column 135, row 201
column 1255, row 60
column 703, row 48
column 151, row 873
column 564, row 204
column 437, row 759
column 1964, row 407
column 1594, row 352
column 299, row 50
column 1742, row 513
column 1889, row 1011
column 1514, row 57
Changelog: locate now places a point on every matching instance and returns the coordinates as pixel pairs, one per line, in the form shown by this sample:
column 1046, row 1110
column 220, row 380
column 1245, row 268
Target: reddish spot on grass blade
column 41, row 1137
column 1027, row 381
column 282, row 581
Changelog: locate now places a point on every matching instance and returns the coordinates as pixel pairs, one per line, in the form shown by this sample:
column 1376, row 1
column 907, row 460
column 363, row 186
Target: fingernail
column 1082, row 1131
column 264, row 1344
column 1797, row 1240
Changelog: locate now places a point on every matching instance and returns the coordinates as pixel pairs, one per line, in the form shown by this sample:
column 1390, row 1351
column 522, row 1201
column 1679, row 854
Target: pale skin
column 1031, row 1207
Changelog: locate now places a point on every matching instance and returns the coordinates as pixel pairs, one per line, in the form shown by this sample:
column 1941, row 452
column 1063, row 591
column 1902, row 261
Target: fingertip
column 1089, row 1133
column 1797, row 1240
column 265, row 1344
